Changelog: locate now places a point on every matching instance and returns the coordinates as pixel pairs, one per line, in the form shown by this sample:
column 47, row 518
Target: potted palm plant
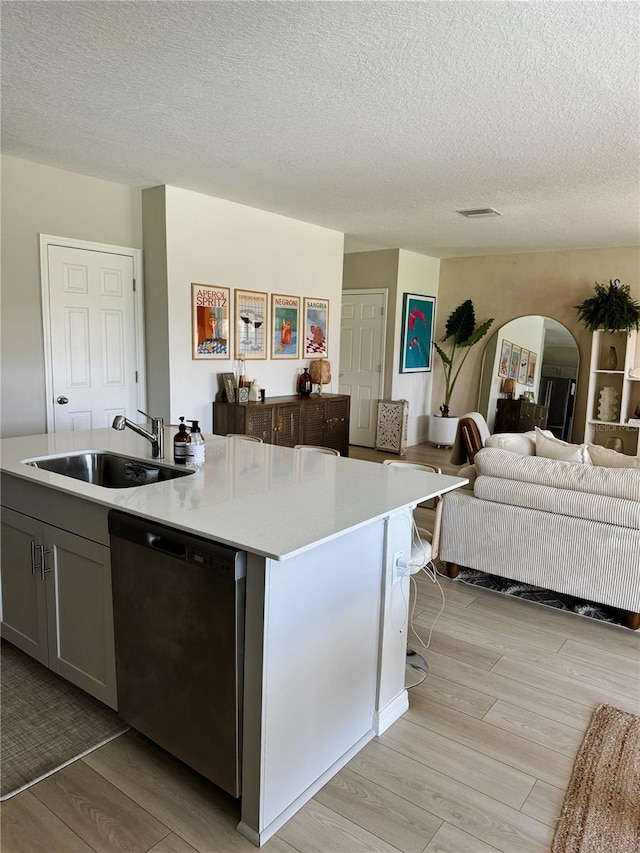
column 461, row 333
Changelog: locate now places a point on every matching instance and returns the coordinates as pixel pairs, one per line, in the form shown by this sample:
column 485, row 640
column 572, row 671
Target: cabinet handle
column 33, row 558
column 43, row 555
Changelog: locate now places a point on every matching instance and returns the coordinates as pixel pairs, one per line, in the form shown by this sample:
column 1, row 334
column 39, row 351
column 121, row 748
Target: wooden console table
column 289, row 420
column 520, row 416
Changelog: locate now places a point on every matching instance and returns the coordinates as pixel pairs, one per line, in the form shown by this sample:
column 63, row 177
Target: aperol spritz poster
column 210, row 314
column 418, row 313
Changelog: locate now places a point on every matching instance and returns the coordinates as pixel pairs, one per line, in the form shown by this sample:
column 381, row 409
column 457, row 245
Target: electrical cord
column 429, row 568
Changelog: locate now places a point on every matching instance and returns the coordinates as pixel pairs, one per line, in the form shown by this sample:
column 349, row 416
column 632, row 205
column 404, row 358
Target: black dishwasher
column 178, row 609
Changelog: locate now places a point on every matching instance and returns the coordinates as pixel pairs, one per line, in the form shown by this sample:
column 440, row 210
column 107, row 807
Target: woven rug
column 541, row 596
column 46, row 722
column 601, row 808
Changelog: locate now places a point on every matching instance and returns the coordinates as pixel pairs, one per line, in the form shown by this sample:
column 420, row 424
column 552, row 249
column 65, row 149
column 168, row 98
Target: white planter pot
column 442, row 431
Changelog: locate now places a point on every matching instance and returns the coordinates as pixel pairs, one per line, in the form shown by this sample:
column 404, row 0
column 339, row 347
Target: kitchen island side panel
column 319, row 668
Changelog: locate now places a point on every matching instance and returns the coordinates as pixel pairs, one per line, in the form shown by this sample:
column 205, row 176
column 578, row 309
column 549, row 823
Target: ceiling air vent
column 480, row 213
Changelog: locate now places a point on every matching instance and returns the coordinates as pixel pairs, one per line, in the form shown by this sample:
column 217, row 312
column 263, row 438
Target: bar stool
column 242, row 437
column 314, row 448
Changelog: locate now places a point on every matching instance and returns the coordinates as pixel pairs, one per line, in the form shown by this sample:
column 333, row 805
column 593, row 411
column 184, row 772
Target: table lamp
column 320, row 371
column 508, row 387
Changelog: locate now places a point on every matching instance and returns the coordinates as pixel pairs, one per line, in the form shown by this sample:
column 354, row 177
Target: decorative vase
column 304, row 383
column 612, row 359
column 608, row 404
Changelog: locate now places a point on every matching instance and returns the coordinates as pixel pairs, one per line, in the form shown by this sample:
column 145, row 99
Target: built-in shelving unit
column 598, row 429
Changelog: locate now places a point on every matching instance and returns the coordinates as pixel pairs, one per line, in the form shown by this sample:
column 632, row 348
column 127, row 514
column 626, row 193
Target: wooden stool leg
column 452, row 570
column 632, row 620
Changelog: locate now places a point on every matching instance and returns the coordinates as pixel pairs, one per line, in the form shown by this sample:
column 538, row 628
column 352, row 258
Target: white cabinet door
column 80, row 611
column 57, row 604
column 24, row 614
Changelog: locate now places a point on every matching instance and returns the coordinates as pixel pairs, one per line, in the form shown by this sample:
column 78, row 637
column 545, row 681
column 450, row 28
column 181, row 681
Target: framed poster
column 229, row 382
column 514, row 364
column 285, row 321
column 250, row 311
column 524, row 364
column 210, row 321
column 316, row 327
column 417, row 333
column 505, row 359
column 531, row 367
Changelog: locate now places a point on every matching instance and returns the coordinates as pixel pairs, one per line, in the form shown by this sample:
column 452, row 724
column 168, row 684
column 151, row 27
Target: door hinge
column 379, row 368
column 382, row 312
column 134, row 285
column 136, row 375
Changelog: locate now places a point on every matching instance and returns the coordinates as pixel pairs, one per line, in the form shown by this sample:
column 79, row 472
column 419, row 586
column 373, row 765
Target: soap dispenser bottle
column 180, row 444
column 195, row 448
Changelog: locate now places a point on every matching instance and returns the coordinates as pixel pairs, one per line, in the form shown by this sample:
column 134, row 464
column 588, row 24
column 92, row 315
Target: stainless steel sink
column 108, row 469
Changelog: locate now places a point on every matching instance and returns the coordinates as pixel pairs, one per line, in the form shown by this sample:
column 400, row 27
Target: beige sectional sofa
column 570, row 527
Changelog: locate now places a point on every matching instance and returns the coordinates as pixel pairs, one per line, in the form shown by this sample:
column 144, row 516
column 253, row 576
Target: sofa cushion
column 607, row 458
column 593, row 507
column 615, row 482
column 555, row 448
column 523, row 443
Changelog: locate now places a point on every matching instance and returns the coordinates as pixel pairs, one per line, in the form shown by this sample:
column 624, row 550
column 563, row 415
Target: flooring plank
column 455, row 648
column 460, row 762
column 536, row 699
column 317, row 829
column 602, row 634
column 453, row 695
column 525, row 633
column 28, row 826
column 604, row 658
column 479, row 815
column 98, row 812
column 586, row 693
column 534, row 727
column 450, row 839
column 190, row 806
column 524, row 755
column 389, row 817
column 544, row 803
column 173, row 844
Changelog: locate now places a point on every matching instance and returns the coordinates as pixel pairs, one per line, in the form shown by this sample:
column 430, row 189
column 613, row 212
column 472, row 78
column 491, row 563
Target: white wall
column 416, row 274
column 37, row 199
column 213, row 241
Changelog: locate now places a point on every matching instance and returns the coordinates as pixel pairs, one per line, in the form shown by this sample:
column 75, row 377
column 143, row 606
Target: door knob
column 62, row 400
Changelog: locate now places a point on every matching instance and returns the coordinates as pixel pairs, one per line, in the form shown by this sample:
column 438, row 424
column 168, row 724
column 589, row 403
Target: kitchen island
column 325, row 607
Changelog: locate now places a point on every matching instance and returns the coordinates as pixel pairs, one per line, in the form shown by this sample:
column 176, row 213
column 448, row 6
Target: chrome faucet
column 156, row 436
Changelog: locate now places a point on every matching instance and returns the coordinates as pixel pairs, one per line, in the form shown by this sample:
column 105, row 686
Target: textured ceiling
column 378, row 119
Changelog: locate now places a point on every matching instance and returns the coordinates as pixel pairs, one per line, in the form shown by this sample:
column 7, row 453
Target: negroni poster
column 285, row 321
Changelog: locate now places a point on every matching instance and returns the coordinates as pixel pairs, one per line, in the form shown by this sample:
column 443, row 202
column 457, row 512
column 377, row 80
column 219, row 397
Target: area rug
column 601, row 808
column 541, row 596
column 46, row 722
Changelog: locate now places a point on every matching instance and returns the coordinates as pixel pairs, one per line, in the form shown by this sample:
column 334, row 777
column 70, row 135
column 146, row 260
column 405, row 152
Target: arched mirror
column 541, row 356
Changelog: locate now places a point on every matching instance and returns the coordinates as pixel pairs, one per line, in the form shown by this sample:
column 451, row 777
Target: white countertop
column 269, row 500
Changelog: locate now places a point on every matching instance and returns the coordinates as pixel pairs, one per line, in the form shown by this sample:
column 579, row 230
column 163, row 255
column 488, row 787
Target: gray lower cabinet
column 57, row 603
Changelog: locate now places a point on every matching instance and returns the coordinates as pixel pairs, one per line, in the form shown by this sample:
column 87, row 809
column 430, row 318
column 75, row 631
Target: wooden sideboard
column 519, row 416
column 290, row 420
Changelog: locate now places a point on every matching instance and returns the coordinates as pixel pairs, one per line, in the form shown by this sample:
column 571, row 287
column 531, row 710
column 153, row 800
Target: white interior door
column 91, row 337
column 362, row 334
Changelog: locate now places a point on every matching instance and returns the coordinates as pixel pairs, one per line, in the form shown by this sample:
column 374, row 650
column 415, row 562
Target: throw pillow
column 606, row 458
column 555, row 448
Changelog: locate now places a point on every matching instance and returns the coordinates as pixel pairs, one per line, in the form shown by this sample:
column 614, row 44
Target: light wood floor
column 479, row 763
